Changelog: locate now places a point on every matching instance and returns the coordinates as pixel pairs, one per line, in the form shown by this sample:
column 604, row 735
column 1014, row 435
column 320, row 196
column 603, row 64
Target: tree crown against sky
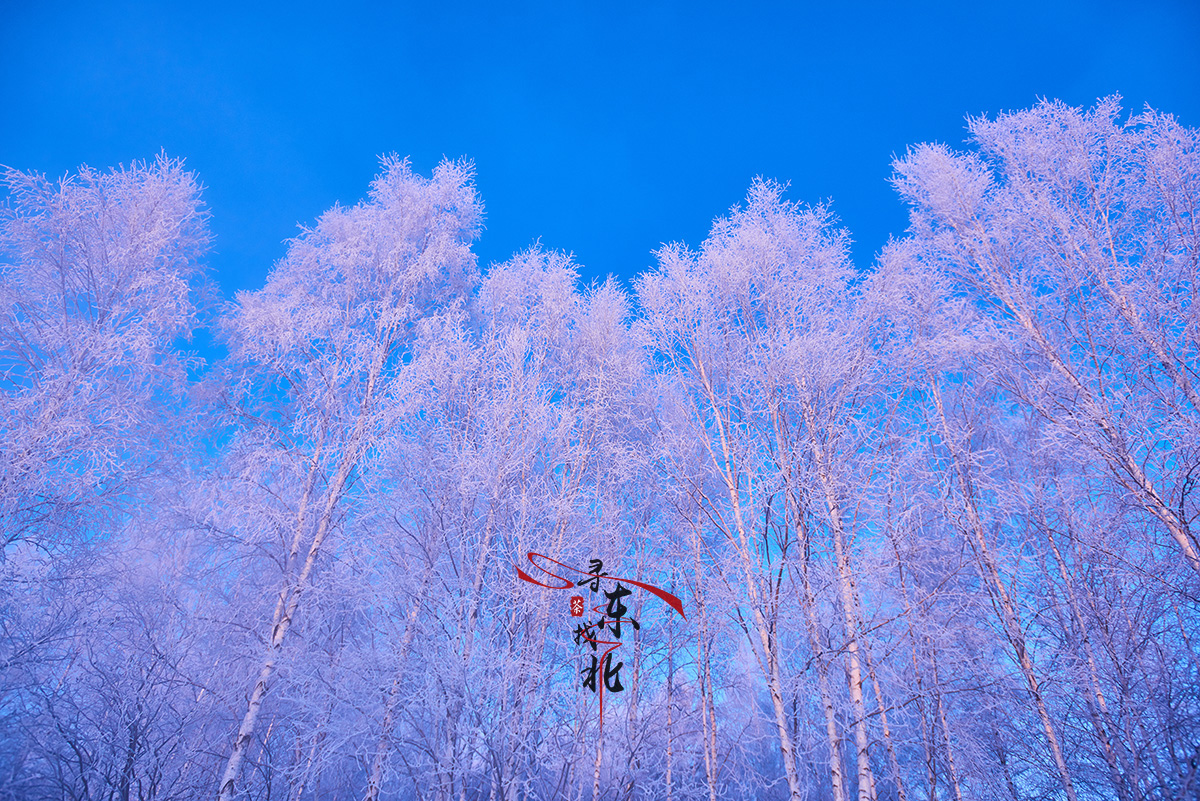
column 650, row 118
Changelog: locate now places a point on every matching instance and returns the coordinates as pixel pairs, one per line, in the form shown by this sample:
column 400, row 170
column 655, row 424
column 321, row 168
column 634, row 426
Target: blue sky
column 600, row 128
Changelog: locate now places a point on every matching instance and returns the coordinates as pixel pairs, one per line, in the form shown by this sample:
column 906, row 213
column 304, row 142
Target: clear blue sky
column 604, row 128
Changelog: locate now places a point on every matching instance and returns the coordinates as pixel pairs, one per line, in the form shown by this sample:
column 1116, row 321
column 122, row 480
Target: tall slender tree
column 327, row 343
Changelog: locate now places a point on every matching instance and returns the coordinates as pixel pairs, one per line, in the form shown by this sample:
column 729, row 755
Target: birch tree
column 530, row 420
column 733, row 325
column 328, row 338
column 1082, row 232
column 100, row 280
column 100, row 274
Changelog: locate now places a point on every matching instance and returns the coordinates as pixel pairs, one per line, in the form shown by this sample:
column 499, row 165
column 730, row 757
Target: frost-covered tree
column 1081, row 231
column 320, row 360
column 99, row 280
column 1066, row 416
column 759, row 333
column 932, row 522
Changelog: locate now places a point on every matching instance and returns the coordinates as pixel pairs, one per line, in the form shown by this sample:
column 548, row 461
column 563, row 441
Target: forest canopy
column 928, row 520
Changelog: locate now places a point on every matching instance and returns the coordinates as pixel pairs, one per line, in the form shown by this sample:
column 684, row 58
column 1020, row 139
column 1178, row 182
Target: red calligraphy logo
column 587, row 634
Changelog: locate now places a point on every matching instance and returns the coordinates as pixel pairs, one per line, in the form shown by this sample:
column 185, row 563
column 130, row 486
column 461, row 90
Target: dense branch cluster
column 931, row 522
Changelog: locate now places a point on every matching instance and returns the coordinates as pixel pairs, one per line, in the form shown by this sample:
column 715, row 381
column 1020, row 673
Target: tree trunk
column 1097, row 704
column 289, row 597
column 708, row 718
column 887, row 729
column 941, row 711
column 849, row 602
column 768, row 658
column 1001, row 599
column 383, row 746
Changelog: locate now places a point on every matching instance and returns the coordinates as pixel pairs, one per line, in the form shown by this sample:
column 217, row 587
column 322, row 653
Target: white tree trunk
column 1005, row 606
column 289, row 597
